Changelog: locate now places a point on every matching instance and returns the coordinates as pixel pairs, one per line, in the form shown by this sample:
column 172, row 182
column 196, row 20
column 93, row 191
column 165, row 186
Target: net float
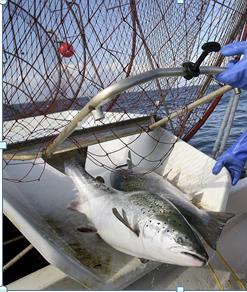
column 66, row 50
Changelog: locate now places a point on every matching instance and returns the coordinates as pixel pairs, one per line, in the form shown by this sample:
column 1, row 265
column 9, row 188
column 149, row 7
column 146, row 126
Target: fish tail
column 65, row 161
column 75, row 164
column 72, row 163
column 211, row 231
column 77, row 173
column 73, row 171
column 75, row 158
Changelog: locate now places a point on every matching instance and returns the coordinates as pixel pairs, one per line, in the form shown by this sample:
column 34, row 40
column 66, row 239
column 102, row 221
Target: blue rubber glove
column 236, row 72
column 233, row 159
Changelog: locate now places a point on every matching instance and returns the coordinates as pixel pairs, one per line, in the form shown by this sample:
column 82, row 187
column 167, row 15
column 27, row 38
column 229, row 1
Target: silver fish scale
column 162, row 215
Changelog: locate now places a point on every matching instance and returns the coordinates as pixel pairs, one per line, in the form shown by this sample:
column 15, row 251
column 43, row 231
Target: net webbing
column 58, row 54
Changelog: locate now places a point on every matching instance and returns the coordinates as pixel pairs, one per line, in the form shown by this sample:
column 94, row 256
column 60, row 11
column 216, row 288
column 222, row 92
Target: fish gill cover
column 58, row 54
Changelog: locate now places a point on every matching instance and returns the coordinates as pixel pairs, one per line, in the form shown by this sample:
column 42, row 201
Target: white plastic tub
column 38, row 209
column 189, row 169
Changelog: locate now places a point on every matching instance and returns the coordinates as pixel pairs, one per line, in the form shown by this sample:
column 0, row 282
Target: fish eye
column 100, row 179
column 180, row 240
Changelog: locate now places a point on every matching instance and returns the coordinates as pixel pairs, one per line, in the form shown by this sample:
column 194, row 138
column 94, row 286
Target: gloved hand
column 236, row 72
column 233, row 159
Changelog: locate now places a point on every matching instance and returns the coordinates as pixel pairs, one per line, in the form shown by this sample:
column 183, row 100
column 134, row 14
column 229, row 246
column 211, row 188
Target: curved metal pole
column 226, row 124
column 111, row 91
column 230, row 121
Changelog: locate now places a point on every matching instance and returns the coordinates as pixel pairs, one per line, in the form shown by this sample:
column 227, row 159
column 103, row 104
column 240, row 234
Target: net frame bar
column 109, row 93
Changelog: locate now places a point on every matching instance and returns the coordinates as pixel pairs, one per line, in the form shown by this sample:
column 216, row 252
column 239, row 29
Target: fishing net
column 58, row 54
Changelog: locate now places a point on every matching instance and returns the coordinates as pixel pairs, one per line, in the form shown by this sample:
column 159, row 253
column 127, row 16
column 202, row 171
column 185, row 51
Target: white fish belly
column 114, row 232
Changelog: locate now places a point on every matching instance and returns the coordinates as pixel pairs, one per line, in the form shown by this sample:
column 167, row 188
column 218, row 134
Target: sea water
column 205, row 138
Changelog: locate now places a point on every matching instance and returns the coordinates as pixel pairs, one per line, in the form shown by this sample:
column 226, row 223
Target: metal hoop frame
column 113, row 90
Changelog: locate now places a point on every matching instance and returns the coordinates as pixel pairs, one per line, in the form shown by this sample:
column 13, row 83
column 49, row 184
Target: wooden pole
column 191, row 106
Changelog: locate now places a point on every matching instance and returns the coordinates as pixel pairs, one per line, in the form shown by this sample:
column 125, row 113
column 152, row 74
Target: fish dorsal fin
column 196, row 200
column 166, row 174
column 129, row 161
column 123, row 218
column 175, row 180
column 129, row 164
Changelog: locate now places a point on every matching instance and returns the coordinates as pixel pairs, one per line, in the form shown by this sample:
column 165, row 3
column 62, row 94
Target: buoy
column 66, row 50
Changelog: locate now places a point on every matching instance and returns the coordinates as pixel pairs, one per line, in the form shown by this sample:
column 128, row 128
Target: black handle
column 193, row 69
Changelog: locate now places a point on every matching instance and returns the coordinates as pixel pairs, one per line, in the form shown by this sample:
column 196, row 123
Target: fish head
column 188, row 249
column 127, row 181
column 171, row 239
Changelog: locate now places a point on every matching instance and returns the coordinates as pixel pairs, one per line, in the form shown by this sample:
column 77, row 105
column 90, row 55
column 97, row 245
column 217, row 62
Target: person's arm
column 233, row 159
column 236, row 72
column 235, row 75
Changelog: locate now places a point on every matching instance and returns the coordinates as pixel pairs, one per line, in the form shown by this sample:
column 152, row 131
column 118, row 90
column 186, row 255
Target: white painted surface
column 53, row 124
column 190, row 168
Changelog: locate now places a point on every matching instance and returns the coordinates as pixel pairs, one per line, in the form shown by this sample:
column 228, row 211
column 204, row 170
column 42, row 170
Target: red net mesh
column 58, row 54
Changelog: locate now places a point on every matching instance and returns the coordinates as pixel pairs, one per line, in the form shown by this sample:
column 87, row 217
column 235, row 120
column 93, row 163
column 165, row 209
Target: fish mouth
column 197, row 257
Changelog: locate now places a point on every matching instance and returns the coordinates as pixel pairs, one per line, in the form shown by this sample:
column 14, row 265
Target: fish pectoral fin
column 76, row 205
column 87, row 229
column 143, row 261
column 123, row 218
